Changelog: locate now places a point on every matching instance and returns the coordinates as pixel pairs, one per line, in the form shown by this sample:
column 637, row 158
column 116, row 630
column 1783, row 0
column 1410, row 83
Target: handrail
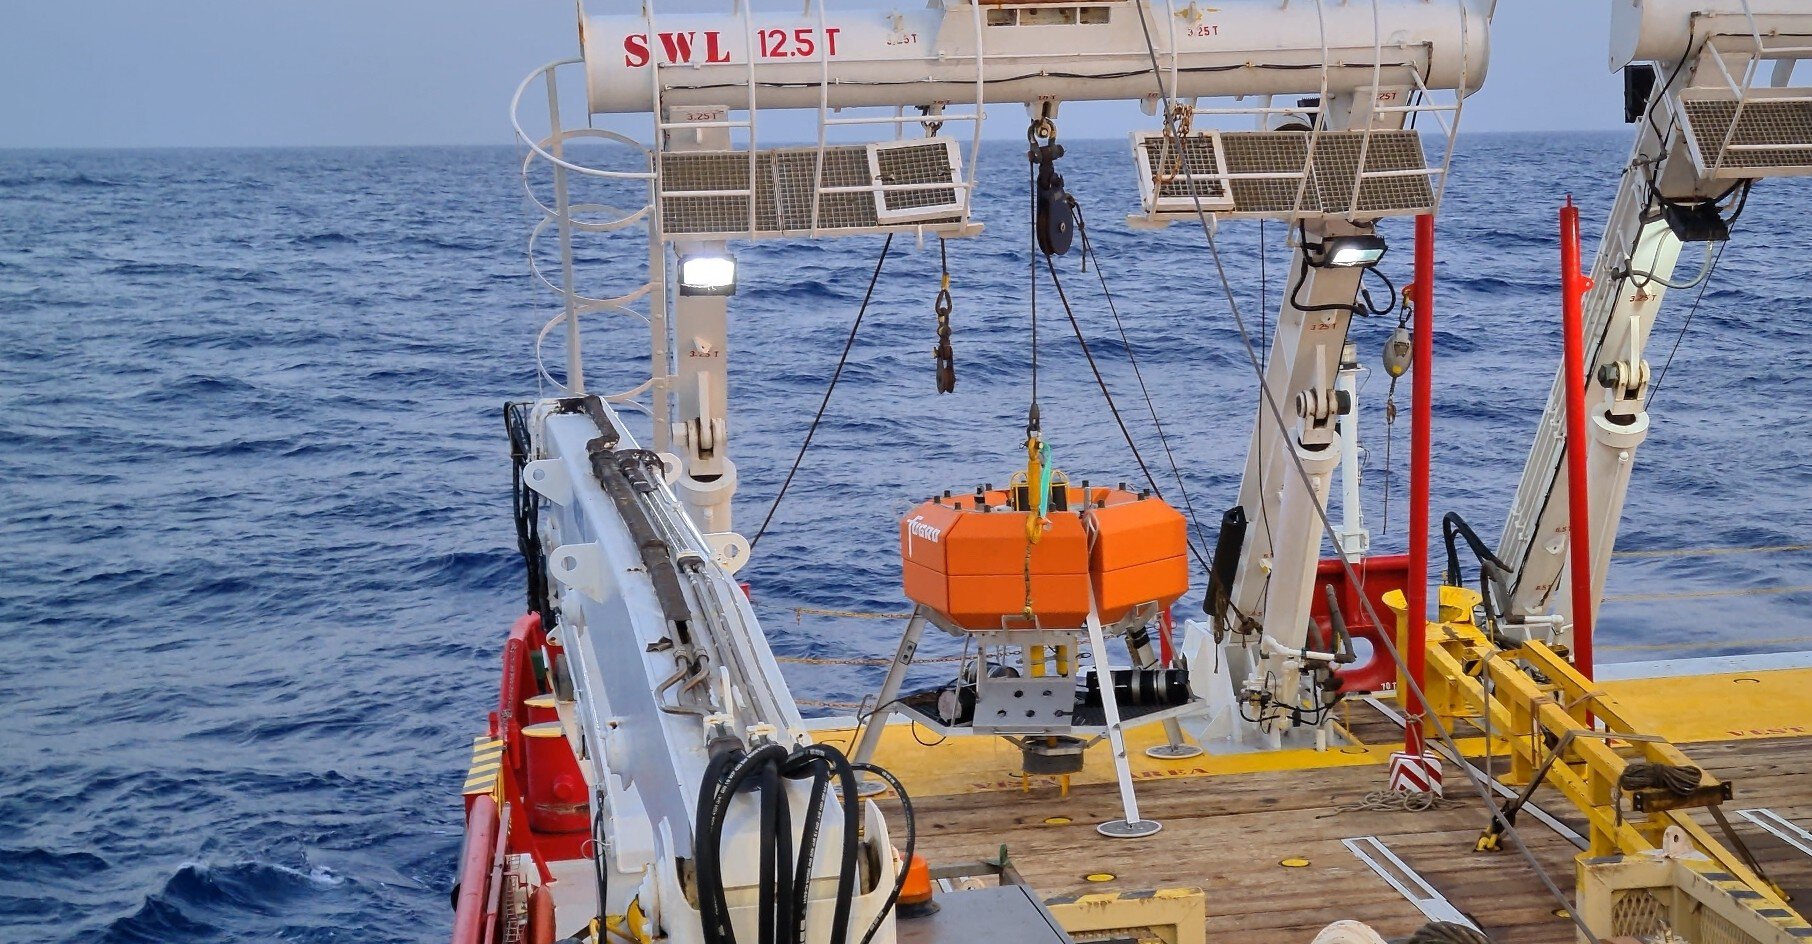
column 550, row 212
column 533, row 143
column 1321, row 114
column 748, row 42
column 473, row 891
column 1371, row 107
column 823, row 129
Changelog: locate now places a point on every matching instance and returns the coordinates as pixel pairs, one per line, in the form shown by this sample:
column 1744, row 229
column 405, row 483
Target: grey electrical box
column 1004, row 914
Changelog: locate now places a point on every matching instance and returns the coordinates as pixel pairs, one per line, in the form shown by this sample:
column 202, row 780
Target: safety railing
column 1727, row 78
column 1384, row 113
column 959, row 184
column 568, row 219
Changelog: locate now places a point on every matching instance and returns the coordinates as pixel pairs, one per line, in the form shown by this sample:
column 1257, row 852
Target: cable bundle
column 785, row 870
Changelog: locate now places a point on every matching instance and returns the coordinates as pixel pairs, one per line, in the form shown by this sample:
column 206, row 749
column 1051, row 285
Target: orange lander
column 968, row 558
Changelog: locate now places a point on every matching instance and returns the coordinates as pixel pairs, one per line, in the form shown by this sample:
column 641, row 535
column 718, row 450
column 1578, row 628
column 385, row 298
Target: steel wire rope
column 1269, row 400
column 1101, row 381
column 829, row 388
column 1704, row 285
column 1132, row 358
column 1032, row 269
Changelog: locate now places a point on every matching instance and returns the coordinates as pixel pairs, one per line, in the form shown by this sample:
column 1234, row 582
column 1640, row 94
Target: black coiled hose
column 784, row 870
column 526, row 505
column 912, row 838
column 821, row 762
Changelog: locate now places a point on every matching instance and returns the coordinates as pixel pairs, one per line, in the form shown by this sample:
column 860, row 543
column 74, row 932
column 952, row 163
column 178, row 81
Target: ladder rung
column 1256, row 110
column 859, row 188
column 1406, row 172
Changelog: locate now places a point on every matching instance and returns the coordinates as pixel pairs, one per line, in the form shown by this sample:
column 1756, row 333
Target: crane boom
column 1708, row 129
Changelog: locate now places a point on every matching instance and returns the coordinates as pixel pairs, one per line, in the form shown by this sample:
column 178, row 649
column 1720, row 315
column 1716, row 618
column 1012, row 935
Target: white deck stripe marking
column 1407, row 881
column 1780, row 828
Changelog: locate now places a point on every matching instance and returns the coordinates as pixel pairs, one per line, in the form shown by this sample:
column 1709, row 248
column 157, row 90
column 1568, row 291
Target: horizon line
column 22, row 148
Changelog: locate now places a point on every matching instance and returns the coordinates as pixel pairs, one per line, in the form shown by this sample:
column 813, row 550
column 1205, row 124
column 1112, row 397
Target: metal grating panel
column 704, row 171
column 1185, row 169
column 1337, row 162
column 1260, row 173
column 1783, row 129
column 707, row 193
column 1269, row 152
column 1638, row 914
column 915, row 163
column 1716, row 929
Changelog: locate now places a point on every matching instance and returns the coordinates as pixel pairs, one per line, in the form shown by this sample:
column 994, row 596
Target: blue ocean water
column 255, row 550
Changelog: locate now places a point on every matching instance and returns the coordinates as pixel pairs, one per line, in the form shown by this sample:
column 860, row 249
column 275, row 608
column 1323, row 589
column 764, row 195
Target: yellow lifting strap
column 1035, row 523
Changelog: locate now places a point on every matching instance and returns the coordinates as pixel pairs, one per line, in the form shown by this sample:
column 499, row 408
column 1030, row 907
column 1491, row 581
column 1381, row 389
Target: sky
column 133, row 73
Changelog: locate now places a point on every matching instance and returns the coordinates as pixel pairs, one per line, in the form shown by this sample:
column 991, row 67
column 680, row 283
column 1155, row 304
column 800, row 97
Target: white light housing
column 1346, row 252
column 707, row 275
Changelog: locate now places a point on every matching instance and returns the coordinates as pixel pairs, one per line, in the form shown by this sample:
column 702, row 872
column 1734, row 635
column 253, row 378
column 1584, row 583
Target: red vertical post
column 1421, row 429
column 1573, row 286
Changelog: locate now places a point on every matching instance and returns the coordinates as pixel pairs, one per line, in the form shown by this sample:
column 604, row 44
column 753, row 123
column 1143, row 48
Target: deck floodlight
column 1346, row 252
column 708, row 274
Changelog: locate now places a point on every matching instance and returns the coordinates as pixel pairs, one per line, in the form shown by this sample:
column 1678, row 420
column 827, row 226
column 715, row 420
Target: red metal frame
column 1573, row 285
column 1378, row 575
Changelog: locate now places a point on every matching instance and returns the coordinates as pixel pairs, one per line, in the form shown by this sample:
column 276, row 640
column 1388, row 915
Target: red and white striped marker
column 1414, row 769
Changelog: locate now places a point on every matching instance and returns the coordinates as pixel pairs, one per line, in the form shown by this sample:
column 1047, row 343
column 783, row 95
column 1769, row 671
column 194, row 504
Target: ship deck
column 1230, row 822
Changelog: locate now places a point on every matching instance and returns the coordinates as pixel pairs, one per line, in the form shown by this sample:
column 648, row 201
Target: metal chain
column 946, row 356
column 1178, row 122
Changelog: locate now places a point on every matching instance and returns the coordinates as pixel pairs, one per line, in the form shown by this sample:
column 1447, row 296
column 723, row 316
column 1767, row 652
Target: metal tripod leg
column 1132, row 826
column 883, row 709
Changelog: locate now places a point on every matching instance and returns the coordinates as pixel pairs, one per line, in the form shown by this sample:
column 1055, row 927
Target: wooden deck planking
column 1228, row 834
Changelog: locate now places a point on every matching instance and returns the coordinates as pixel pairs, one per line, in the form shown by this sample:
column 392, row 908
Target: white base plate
column 1121, row 829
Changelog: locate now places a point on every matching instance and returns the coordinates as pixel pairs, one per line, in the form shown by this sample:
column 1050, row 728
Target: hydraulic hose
column 716, row 810
column 713, row 919
column 912, row 837
column 819, row 771
column 784, row 870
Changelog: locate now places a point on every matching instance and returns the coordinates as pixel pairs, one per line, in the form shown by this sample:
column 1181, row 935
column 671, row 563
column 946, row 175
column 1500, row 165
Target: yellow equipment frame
column 1540, row 712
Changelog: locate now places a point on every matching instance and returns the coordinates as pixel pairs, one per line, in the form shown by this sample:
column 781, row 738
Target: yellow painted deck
column 1229, row 821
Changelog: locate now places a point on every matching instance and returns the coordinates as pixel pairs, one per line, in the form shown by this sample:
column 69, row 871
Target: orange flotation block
column 965, row 557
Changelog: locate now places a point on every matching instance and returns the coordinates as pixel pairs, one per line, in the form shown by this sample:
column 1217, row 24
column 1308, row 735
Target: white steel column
column 1355, row 540
column 1304, row 359
column 699, row 430
column 1535, row 537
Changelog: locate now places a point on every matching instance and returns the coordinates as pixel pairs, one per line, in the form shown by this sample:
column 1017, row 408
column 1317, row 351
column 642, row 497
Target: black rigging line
column 829, row 388
column 1655, row 388
column 1109, row 397
column 1032, row 276
column 1195, row 525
